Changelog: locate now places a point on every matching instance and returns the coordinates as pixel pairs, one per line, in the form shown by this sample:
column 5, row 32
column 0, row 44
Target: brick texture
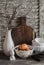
column 6, row 8
column 42, row 18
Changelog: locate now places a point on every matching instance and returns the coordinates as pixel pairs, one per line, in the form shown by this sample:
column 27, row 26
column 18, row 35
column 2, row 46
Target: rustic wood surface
column 20, row 62
column 4, row 60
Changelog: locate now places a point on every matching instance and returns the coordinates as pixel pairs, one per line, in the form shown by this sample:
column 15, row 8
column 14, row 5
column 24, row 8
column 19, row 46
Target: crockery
column 38, row 44
column 24, row 53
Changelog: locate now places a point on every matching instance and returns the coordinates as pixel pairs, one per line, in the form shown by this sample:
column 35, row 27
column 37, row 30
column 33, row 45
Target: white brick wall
column 42, row 18
column 26, row 5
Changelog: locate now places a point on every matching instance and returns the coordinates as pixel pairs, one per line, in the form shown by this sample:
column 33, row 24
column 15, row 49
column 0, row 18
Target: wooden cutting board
column 23, row 33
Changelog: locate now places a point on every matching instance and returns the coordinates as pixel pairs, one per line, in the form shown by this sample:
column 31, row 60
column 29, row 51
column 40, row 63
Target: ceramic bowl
column 24, row 54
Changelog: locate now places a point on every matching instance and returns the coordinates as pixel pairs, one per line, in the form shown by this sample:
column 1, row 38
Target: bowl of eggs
column 24, row 50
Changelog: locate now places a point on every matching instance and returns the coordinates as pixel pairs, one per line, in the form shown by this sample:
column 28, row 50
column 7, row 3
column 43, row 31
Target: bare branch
column 13, row 15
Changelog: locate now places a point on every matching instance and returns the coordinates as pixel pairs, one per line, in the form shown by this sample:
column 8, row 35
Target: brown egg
column 27, row 49
column 24, row 46
column 20, row 48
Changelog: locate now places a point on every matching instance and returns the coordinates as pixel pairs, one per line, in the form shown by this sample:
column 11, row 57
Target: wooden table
column 4, row 60
column 21, row 62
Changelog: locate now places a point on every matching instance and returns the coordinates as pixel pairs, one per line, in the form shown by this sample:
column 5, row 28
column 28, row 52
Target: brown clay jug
column 23, row 33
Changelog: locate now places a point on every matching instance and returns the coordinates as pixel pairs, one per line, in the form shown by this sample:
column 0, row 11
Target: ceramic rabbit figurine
column 8, row 45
